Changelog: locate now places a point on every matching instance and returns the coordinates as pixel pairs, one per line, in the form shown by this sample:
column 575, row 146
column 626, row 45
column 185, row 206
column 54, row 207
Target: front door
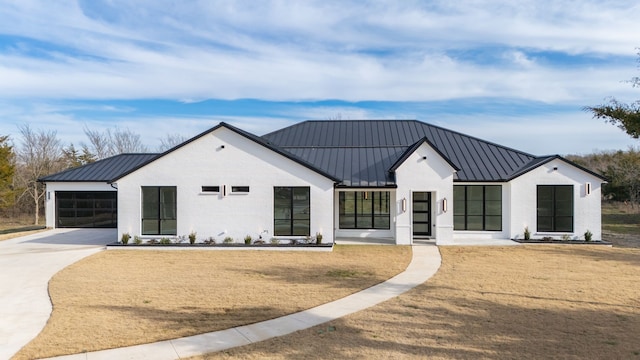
column 421, row 214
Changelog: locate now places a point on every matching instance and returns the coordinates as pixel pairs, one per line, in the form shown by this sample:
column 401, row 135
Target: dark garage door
column 86, row 209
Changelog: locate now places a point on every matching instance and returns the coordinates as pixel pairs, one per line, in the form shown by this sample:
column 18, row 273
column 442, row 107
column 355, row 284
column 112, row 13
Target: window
column 291, row 211
column 477, row 207
column 555, row 208
column 364, row 210
column 159, row 210
column 239, row 189
column 212, row 189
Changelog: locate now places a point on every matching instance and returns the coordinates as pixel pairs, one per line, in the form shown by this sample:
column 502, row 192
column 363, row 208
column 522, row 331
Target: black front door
column 421, row 214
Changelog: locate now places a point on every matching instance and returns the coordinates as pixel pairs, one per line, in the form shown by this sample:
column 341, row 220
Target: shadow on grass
column 420, row 326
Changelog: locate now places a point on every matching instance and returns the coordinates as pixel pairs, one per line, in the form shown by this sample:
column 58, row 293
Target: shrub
column 152, row 242
column 192, row 237
column 294, row 242
column 527, row 233
column 274, row 241
column 247, row 240
column 165, row 241
column 228, row 240
column 588, row 235
column 125, row 238
column 318, row 238
column 566, row 237
column 210, row 241
column 180, row 239
column 137, row 240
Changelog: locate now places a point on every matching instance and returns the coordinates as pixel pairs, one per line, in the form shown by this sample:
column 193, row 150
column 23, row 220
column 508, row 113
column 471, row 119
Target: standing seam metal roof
column 372, row 147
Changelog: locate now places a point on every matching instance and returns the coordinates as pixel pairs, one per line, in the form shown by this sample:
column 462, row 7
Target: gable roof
column 539, row 161
column 243, row 133
column 332, row 145
column 102, row 170
column 411, row 149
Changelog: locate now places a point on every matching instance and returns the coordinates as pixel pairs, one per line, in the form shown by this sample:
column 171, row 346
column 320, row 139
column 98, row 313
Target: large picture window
column 292, row 211
column 477, row 207
column 555, row 208
column 159, row 210
column 364, row 210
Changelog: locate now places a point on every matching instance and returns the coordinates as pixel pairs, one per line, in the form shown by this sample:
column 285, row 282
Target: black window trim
column 372, row 214
column 554, row 204
column 208, row 189
column 292, row 219
column 484, row 214
column 159, row 218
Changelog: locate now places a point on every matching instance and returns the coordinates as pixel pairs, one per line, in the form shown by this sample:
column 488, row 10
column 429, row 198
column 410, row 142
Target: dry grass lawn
column 119, row 298
column 529, row 302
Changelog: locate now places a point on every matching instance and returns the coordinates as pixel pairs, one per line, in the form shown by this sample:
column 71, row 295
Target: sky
column 517, row 73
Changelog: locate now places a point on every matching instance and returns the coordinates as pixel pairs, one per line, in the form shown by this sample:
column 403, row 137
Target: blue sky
column 513, row 72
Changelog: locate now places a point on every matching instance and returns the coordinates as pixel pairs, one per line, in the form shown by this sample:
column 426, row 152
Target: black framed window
column 159, row 215
column 477, row 207
column 555, row 208
column 213, row 189
column 292, row 211
column 364, row 210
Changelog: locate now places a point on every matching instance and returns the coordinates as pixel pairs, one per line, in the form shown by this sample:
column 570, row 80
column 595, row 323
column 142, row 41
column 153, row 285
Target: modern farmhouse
column 391, row 179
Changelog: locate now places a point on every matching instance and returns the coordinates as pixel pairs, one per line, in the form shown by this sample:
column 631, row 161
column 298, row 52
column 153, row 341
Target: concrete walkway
column 26, row 265
column 424, row 264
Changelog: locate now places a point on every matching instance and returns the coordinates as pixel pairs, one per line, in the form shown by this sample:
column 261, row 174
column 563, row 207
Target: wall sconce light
column 224, row 190
column 587, row 188
column 404, row 204
column 444, row 205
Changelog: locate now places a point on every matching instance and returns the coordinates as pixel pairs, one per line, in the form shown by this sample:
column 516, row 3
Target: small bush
column 228, row 240
column 247, row 240
column 566, row 237
column 180, row 239
column 210, row 241
column 294, row 242
column 192, row 237
column 259, row 242
column 152, row 242
column 527, row 233
column 588, row 235
column 318, row 238
column 125, row 238
column 137, row 240
column 274, row 241
column 165, row 241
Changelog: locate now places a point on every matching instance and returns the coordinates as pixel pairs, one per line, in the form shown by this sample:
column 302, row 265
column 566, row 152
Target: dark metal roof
column 101, row 171
column 476, row 159
column 545, row 159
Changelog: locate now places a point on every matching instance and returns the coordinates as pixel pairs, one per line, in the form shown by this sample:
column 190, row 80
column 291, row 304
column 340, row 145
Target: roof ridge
column 478, row 139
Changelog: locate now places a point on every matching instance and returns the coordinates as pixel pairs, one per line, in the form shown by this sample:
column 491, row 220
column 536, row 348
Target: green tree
column 625, row 116
column 7, row 171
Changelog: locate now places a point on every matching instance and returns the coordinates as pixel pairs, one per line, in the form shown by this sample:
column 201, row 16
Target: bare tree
column 39, row 155
column 104, row 144
column 171, row 141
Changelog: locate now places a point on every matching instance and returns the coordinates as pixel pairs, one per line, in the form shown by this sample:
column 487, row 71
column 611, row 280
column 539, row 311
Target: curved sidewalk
column 424, row 264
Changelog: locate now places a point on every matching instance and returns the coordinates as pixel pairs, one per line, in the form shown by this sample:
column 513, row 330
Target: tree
column 171, row 141
column 625, row 116
column 104, row 144
column 40, row 154
column 7, row 172
column 72, row 158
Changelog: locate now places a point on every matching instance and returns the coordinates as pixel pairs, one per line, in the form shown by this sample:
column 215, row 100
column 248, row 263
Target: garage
column 86, row 209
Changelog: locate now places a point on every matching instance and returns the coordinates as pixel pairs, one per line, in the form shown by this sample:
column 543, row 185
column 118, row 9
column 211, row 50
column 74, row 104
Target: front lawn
column 120, row 298
column 525, row 302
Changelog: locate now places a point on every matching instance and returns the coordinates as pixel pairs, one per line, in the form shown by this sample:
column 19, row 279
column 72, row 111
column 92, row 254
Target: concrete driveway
column 26, row 265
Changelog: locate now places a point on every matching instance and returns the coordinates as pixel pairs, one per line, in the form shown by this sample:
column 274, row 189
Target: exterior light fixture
column 587, row 188
column 444, row 205
column 404, row 204
column 224, row 190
